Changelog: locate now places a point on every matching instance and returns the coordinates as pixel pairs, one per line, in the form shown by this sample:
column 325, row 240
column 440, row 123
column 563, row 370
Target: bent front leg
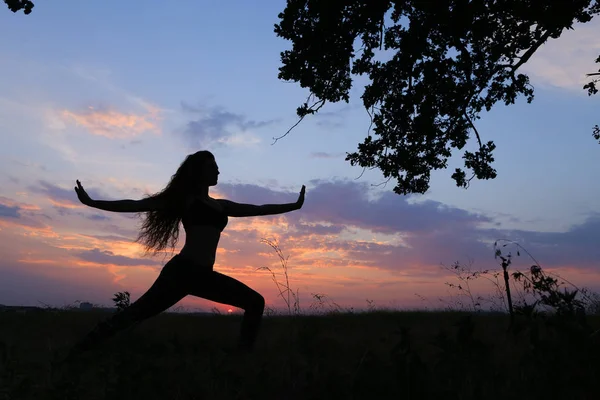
column 227, row 290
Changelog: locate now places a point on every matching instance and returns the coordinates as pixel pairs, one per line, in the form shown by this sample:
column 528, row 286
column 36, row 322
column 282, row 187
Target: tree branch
column 525, row 57
column 322, row 103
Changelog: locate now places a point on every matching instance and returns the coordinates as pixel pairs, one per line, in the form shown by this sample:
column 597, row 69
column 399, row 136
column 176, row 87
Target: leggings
column 178, row 278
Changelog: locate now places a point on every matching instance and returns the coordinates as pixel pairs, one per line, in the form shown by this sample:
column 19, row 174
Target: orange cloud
column 114, row 124
column 5, row 201
column 15, row 225
column 116, row 272
column 45, row 232
column 37, row 261
column 29, row 207
column 64, row 204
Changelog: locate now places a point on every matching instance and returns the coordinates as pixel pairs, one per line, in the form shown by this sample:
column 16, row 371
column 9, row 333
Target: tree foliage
column 447, row 60
column 17, row 5
column 591, row 88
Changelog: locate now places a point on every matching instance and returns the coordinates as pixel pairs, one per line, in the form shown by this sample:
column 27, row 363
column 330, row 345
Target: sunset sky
column 116, row 94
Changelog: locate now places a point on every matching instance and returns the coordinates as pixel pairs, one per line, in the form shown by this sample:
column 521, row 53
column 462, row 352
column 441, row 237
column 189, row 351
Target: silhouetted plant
column 291, row 298
column 270, row 311
column 465, row 275
column 546, row 289
column 593, row 301
column 121, row 300
column 371, row 305
column 539, row 292
column 547, row 292
column 506, row 261
column 324, row 304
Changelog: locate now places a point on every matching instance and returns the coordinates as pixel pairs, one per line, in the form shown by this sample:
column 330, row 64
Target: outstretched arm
column 124, row 206
column 234, row 209
column 144, row 205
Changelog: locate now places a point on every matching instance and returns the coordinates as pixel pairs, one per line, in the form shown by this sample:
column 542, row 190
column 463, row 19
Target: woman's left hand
column 300, row 201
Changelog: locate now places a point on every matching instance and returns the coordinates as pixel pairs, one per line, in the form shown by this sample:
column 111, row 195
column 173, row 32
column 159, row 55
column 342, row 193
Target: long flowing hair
column 160, row 228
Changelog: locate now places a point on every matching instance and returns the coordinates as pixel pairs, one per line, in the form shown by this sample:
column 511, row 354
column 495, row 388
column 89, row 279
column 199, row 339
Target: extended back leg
column 164, row 293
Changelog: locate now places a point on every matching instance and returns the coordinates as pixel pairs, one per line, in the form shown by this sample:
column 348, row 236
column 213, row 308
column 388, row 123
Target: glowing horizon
column 121, row 119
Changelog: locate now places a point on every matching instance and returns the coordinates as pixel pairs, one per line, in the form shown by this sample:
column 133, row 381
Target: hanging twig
column 320, row 103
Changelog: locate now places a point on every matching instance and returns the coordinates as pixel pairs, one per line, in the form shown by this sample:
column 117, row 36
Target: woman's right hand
column 82, row 195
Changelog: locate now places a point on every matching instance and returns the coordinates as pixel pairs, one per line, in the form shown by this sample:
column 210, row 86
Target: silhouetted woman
column 185, row 199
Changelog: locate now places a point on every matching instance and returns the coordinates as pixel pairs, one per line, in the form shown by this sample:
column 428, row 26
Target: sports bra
column 200, row 213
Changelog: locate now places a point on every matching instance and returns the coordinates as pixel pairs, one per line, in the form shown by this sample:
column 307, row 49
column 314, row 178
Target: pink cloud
column 114, row 124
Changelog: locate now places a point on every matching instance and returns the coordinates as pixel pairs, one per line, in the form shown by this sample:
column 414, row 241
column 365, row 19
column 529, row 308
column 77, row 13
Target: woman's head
column 198, row 170
column 161, row 227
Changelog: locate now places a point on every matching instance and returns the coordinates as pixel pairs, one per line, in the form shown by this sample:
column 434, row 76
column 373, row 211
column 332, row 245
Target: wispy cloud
column 59, row 197
column 334, row 119
column 109, row 258
column 218, row 126
column 114, row 124
column 28, row 164
column 10, row 208
column 322, row 154
column 65, row 201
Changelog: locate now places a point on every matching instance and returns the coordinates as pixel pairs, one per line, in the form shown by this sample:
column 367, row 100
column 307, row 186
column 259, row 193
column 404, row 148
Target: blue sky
column 116, row 94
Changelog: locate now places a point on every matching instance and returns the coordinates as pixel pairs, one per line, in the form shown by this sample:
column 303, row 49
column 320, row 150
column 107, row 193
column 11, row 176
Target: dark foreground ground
column 378, row 355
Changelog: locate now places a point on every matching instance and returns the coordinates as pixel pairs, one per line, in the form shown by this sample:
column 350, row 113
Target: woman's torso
column 203, row 221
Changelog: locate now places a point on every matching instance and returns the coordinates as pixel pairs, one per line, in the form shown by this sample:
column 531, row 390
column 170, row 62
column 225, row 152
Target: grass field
column 376, row 355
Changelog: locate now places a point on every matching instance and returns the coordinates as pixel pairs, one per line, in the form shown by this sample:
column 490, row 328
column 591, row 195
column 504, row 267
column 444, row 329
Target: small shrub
column 122, row 300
